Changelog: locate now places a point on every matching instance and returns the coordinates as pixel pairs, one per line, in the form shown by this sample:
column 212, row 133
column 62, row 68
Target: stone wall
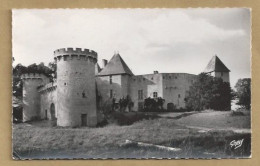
column 31, row 96
column 175, row 87
column 149, row 84
column 119, row 86
column 76, row 89
column 48, row 97
column 170, row 86
column 223, row 75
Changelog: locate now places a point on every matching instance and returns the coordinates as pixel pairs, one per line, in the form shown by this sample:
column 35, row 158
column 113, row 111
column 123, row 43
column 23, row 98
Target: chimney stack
column 155, row 72
column 104, row 62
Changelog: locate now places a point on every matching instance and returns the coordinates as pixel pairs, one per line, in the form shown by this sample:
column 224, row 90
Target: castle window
column 221, row 73
column 169, row 77
column 111, row 93
column 65, row 83
column 163, row 77
column 175, row 77
column 155, row 94
column 179, row 95
column 110, row 80
column 144, row 79
column 83, row 95
column 140, row 94
column 152, row 78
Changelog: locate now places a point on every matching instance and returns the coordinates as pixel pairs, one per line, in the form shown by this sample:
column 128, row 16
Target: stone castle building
column 72, row 98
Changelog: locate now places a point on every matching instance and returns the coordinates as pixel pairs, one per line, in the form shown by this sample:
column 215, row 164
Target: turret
column 76, row 96
column 217, row 68
column 31, row 96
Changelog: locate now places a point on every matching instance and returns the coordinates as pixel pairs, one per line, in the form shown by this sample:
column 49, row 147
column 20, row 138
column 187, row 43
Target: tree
column 243, row 92
column 18, row 70
column 53, row 67
column 209, row 92
column 160, row 102
column 151, row 104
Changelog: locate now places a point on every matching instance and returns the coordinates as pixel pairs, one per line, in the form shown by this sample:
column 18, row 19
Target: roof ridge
column 116, row 65
column 215, row 64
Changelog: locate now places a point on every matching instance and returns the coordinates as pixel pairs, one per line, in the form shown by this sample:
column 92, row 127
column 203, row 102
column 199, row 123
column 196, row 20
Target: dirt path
column 205, row 129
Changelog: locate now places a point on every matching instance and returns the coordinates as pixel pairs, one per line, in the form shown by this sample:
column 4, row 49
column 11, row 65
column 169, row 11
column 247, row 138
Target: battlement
column 47, row 87
column 78, row 53
column 33, row 76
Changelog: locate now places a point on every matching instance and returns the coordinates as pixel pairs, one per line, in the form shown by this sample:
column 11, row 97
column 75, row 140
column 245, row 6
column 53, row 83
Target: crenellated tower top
column 78, row 53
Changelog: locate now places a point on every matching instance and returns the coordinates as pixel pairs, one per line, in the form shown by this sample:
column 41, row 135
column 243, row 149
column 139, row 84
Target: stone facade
column 72, row 99
column 31, row 96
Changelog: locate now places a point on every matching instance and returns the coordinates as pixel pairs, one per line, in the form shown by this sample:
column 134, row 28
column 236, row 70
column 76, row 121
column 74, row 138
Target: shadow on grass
column 211, row 145
column 123, row 118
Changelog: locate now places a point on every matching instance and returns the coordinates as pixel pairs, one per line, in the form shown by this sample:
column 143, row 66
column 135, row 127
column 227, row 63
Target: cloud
column 147, row 39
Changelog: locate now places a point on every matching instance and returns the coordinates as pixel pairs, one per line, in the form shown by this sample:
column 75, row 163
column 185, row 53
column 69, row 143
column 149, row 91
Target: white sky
column 167, row 40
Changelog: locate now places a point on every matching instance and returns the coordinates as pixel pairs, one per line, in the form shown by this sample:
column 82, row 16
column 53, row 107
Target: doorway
column 170, row 106
column 83, row 119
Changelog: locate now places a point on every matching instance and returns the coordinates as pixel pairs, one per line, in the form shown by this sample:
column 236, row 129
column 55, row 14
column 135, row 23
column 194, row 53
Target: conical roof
column 116, row 66
column 215, row 64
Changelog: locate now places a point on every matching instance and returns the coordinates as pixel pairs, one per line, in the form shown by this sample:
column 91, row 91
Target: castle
column 72, row 98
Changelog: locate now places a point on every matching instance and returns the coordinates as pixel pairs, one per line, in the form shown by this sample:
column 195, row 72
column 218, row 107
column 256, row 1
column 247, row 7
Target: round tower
column 76, row 95
column 31, row 96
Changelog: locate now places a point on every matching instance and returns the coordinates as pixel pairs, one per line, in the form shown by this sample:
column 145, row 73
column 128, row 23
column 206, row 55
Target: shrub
column 129, row 118
column 153, row 105
column 209, row 93
column 243, row 92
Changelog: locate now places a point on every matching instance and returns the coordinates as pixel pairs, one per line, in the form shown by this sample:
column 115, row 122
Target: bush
column 103, row 123
column 129, row 118
column 237, row 113
column 243, row 92
column 153, row 105
column 209, row 93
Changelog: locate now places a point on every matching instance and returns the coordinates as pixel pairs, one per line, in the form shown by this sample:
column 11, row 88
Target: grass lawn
column 38, row 141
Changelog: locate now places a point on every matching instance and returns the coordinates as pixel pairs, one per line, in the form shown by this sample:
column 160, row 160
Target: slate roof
column 215, row 64
column 116, row 66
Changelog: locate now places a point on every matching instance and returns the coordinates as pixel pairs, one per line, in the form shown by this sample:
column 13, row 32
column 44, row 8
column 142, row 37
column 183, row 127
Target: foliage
column 19, row 69
column 108, row 140
column 151, row 104
column 237, row 113
column 128, row 118
column 41, row 69
column 209, row 93
column 125, row 102
column 243, row 92
column 53, row 67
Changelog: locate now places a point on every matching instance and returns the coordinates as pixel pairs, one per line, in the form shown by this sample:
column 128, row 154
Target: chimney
column 155, row 72
column 104, row 62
